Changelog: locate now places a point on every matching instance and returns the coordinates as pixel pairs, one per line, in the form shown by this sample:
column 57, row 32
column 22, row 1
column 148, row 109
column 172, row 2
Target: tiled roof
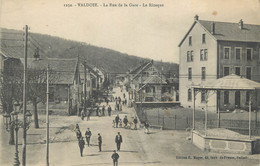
column 154, row 80
column 136, row 70
column 64, row 69
column 227, row 31
column 232, row 32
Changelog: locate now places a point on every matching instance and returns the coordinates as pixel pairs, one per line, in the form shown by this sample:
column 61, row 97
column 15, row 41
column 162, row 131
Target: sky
column 148, row 32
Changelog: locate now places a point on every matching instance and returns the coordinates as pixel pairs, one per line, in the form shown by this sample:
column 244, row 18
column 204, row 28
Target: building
column 211, row 50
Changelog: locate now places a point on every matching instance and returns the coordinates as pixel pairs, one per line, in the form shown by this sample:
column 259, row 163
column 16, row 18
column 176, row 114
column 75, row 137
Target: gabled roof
column 230, row 82
column 90, row 69
column 227, row 31
column 142, row 68
column 136, row 70
column 63, row 69
column 155, row 79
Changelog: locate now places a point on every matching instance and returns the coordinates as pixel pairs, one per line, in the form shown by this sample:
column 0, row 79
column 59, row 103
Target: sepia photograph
column 130, row 83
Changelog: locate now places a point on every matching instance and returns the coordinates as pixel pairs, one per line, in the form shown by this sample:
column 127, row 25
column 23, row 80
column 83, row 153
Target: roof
column 136, row 70
column 142, row 68
column 227, row 31
column 230, row 82
column 64, row 69
column 154, row 80
column 90, row 69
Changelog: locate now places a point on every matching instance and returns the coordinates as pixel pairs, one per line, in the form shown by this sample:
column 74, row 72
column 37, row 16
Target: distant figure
column 115, row 158
column 120, row 123
column 135, row 122
column 78, row 132
column 125, row 101
column 117, row 120
column 81, row 145
column 99, row 141
column 107, row 101
column 119, row 100
column 103, row 110
column 146, row 127
column 125, row 121
column 89, row 113
column 124, row 95
column 82, row 115
column 118, row 141
column 118, row 107
column 97, row 111
column 88, row 135
column 109, row 110
column 77, row 127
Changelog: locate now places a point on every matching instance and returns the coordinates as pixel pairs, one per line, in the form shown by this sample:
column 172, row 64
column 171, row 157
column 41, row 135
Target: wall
column 196, row 65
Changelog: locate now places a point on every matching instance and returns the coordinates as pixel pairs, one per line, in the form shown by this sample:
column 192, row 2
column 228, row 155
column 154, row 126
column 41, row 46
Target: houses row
column 68, row 77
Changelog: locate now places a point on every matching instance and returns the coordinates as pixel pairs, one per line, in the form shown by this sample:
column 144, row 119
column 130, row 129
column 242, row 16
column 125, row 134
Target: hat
column 114, row 150
column 98, row 133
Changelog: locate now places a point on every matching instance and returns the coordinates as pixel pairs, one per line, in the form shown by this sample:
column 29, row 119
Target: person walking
column 103, row 110
column 99, row 141
column 117, row 120
column 125, row 121
column 97, row 110
column 118, row 141
column 88, row 135
column 82, row 114
column 119, row 100
column 115, row 158
column 81, row 145
column 120, row 107
column 88, row 114
column 135, row 122
column 146, row 127
column 109, row 110
column 78, row 132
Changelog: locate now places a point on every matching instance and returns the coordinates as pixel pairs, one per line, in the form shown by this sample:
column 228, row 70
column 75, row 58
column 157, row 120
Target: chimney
column 212, row 28
column 241, row 24
column 196, row 17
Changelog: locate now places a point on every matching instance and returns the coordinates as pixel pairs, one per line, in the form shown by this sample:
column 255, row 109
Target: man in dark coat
column 97, row 111
column 135, row 122
column 78, row 134
column 118, row 141
column 99, row 141
column 109, row 110
column 115, row 158
column 88, row 135
column 103, row 110
column 81, row 145
column 125, row 121
column 117, row 120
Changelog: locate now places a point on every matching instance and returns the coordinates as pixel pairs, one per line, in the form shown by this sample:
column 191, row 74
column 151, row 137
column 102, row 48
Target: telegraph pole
column 85, row 87
column 47, row 119
column 78, row 102
column 25, row 95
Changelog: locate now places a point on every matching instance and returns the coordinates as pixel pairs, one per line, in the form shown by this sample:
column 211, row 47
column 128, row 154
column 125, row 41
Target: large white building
column 211, row 50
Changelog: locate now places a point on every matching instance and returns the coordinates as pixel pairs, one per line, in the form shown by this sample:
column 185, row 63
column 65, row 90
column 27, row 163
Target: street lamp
column 11, row 120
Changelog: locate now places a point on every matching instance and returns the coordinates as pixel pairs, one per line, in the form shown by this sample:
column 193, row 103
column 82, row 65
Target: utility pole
column 78, row 102
column 25, row 95
column 47, row 119
column 141, row 96
column 161, row 79
column 85, row 87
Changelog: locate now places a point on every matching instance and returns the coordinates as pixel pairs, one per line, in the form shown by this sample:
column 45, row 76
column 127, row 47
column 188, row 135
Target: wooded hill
column 56, row 47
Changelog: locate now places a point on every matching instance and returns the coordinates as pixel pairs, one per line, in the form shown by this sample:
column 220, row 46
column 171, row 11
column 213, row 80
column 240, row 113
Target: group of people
column 101, row 112
column 88, row 134
column 127, row 125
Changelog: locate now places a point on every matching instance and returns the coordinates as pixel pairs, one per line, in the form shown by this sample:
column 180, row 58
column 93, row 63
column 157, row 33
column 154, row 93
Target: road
column 158, row 148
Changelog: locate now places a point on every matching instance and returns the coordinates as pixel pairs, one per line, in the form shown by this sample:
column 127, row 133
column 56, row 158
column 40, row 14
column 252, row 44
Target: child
column 113, row 123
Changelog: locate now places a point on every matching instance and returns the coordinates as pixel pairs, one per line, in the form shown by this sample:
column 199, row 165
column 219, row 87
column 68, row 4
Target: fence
column 182, row 122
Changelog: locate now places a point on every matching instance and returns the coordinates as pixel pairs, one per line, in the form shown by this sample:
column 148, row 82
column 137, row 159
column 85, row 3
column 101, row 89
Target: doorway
column 237, row 99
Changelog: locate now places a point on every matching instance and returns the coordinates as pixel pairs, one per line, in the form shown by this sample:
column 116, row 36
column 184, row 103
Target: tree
column 11, row 83
column 37, row 81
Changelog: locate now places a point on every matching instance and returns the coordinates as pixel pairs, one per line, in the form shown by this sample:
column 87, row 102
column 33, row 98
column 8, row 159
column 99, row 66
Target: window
column 203, row 96
column 203, row 73
column 189, row 95
column 188, row 56
column 248, row 54
column 248, row 72
column 51, row 94
column 189, row 73
column 191, row 56
column 203, row 38
column 226, row 52
column 203, row 54
column 226, row 97
column 238, row 53
column 190, row 40
column 237, row 70
column 226, row 71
